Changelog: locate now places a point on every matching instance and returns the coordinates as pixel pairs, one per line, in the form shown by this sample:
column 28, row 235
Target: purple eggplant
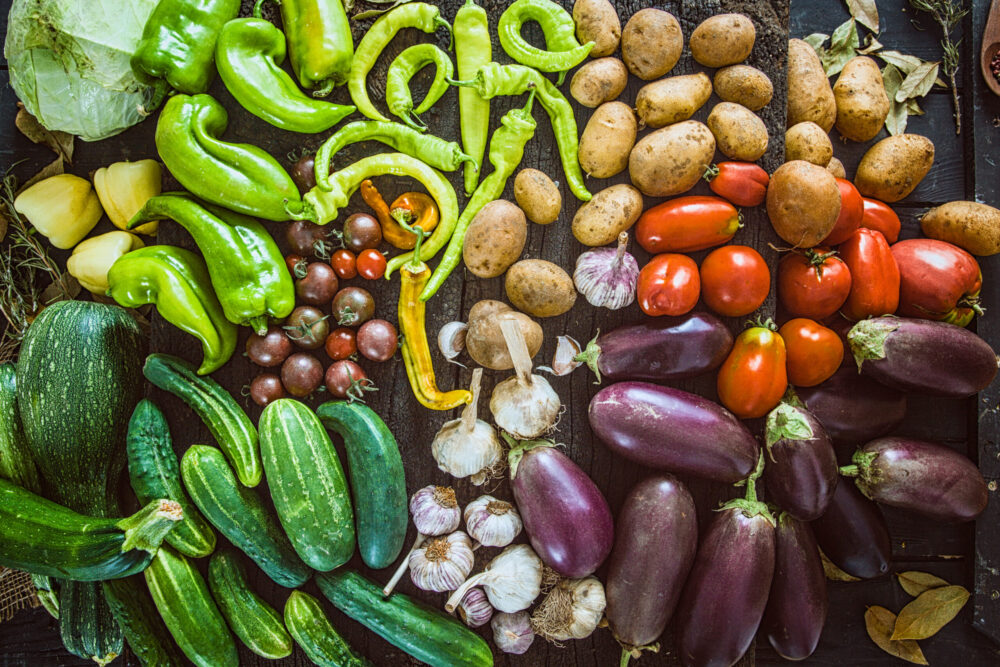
column 673, row 430
column 663, row 349
column 853, row 408
column 802, row 472
column 565, row 515
column 933, row 358
column 921, row 476
column 797, row 605
column 853, row 535
column 657, row 536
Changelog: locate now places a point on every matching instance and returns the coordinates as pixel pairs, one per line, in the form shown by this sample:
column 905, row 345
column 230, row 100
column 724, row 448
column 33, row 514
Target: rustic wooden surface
column 964, row 168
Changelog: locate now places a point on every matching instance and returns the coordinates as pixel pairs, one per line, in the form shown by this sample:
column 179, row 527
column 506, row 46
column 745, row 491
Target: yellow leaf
column 915, row 583
column 879, row 622
column 929, row 612
column 832, row 572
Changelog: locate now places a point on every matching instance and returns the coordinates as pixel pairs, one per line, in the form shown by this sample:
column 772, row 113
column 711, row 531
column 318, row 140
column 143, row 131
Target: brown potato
column 724, row 39
column 970, row 225
column 862, row 104
column 598, row 81
column 537, row 196
column 744, row 85
column 612, row 211
column 673, row 99
column 810, row 96
column 739, row 133
column 836, row 167
column 484, row 340
column 495, row 239
column 671, row 160
column 652, row 43
column 540, row 288
column 607, row 140
column 893, row 167
column 803, row 203
column 597, row 22
column 807, row 141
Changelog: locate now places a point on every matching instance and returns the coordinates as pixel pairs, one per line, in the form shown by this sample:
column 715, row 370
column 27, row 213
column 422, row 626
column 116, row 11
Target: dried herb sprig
column 947, row 14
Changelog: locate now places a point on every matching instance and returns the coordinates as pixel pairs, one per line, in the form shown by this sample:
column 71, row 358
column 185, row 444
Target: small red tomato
column 874, row 275
column 852, row 209
column 297, row 265
column 346, row 379
column 881, row 218
column 341, row 343
column 266, row 388
column 377, row 340
column 937, row 281
column 813, row 352
column 344, row 264
column 742, row 183
column 668, row 285
column 686, row 224
column 813, row 283
column 318, row 286
column 371, row 264
column 301, row 374
column 753, row 378
column 735, row 280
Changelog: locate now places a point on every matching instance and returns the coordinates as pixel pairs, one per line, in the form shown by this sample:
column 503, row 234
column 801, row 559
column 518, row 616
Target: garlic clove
column 474, row 609
column 564, row 360
column 492, row 522
column 442, row 563
column 512, row 632
column 451, row 340
column 435, row 510
column 607, row 277
column 571, row 610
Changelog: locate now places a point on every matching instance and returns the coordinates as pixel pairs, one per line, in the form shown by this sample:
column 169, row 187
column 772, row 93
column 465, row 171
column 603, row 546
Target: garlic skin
column 492, row 522
column 607, row 277
column 511, row 581
column 526, row 405
column 435, row 510
column 443, row 563
column 512, row 633
column 571, row 610
column 451, row 340
column 475, row 610
column 468, row 446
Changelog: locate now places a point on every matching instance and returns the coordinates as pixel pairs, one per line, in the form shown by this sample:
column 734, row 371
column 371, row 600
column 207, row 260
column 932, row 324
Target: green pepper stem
column 441, row 23
column 415, row 263
column 257, row 13
column 531, row 100
column 471, row 83
column 325, row 89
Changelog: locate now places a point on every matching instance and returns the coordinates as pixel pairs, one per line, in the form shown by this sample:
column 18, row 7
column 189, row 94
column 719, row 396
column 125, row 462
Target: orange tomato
column 735, row 280
column 813, row 352
column 753, row 378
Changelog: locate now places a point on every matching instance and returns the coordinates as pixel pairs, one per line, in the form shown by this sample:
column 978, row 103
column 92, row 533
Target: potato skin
column 893, row 167
column 540, row 288
column 607, row 140
column 597, row 22
column 807, row 141
column 836, row 167
column 739, row 133
column 495, row 239
column 803, row 203
column 484, row 340
column 724, row 39
column 744, row 85
column 598, row 81
column 671, row 160
column 673, row 99
column 612, row 211
column 652, row 43
column 537, row 196
column 810, row 96
column 862, row 104
column 970, row 225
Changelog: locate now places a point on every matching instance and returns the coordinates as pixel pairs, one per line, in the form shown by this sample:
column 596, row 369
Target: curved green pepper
column 320, row 44
column 240, row 177
column 177, row 282
column 405, row 67
column 246, row 267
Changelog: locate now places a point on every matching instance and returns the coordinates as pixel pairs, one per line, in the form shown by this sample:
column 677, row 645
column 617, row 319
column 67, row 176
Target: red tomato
column 881, row 218
column 813, row 283
column 735, row 280
column 668, row 285
column 742, row 183
column 874, row 275
column 753, row 377
column 813, row 352
column 346, row 379
column 341, row 343
column 297, row 265
column 937, row 281
column 344, row 264
column 686, row 224
column 852, row 209
column 371, row 264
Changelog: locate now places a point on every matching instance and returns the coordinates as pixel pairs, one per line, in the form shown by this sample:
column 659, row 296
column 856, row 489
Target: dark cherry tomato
column 813, row 283
column 371, row 264
column 270, row 349
column 346, row 379
column 735, row 280
column 686, row 224
column 753, row 378
column 880, row 217
column 318, row 285
column 874, row 275
column 353, row 306
column 304, row 172
column 742, row 183
column 301, row 374
column 307, row 239
column 297, row 265
column 668, row 285
column 344, row 264
column 266, row 388
column 852, row 209
column 813, row 353
column 937, row 281
column 361, row 232
column 307, row 327
column 341, row 343
column 377, row 340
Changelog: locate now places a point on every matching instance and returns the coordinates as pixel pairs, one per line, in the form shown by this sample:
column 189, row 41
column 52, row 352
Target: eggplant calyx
column 867, row 339
column 629, row 652
column 518, row 448
column 750, row 509
column 590, row 355
column 787, row 422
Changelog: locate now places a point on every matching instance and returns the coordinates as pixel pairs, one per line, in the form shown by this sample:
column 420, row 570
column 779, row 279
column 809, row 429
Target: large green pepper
column 319, row 42
column 178, row 43
column 240, row 177
column 176, row 281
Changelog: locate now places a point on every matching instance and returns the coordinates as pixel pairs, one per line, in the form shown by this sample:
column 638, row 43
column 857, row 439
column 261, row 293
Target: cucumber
column 307, row 484
column 155, row 473
column 229, row 425
column 141, row 624
column 186, row 607
column 418, row 629
column 86, row 625
column 16, row 463
column 313, row 631
column 378, row 482
column 240, row 515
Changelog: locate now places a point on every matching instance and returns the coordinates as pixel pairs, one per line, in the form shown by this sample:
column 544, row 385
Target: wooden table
column 964, row 169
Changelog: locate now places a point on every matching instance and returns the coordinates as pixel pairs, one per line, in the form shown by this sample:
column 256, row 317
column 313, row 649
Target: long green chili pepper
column 473, row 49
column 320, row 44
column 506, row 151
column 418, row 15
column 495, row 79
column 562, row 50
column 403, row 68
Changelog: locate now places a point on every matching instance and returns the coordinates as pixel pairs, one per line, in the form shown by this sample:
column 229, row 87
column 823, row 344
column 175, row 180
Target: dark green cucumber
column 313, row 631
column 307, row 484
column 378, row 482
column 422, row 631
column 86, row 625
column 16, row 463
column 186, row 607
column 240, row 515
column 141, row 624
column 255, row 622
column 229, row 425
column 155, row 473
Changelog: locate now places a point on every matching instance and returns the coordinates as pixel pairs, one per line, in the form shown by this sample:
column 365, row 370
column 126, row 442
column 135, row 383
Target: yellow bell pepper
column 125, row 187
column 63, row 208
column 92, row 258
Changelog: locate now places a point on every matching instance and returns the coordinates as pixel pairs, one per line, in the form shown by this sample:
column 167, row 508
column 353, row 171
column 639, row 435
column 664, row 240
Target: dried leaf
column 918, row 82
column 892, row 79
column 865, row 12
column 65, row 289
column 913, row 108
column 53, row 168
column 60, row 142
column 915, row 583
column 929, row 612
column 906, row 63
column 871, row 46
column 816, row 40
column 832, row 572
column 844, row 45
column 880, row 622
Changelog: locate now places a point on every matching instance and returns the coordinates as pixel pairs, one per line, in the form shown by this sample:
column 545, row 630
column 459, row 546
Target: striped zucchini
column 240, row 515
column 86, row 625
column 313, row 631
column 141, row 624
column 229, row 425
column 255, row 622
column 16, row 463
column 307, row 484
column 186, row 607
column 378, row 482
column 155, row 473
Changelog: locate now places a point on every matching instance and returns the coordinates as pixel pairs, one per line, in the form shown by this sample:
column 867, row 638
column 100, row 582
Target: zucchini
column 48, row 594
column 418, row 629
column 155, row 473
column 313, row 631
column 378, row 482
column 255, row 622
column 307, row 484
column 86, row 625
column 141, row 624
column 16, row 463
column 186, row 607
column 226, row 421
column 240, row 515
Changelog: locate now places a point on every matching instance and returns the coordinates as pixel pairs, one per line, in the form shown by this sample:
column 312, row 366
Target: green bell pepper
column 320, row 44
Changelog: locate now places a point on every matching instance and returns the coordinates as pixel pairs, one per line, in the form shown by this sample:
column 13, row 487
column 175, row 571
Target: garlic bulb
column 435, row 510
column 468, row 446
column 526, row 405
column 443, row 563
column 492, row 522
column 571, row 610
column 475, row 610
column 451, row 340
column 607, row 277
column 511, row 581
column 512, row 633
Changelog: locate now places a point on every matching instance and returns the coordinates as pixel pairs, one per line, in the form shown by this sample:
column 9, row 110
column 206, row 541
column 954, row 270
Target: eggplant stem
column 850, row 470
column 751, row 481
column 398, row 574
